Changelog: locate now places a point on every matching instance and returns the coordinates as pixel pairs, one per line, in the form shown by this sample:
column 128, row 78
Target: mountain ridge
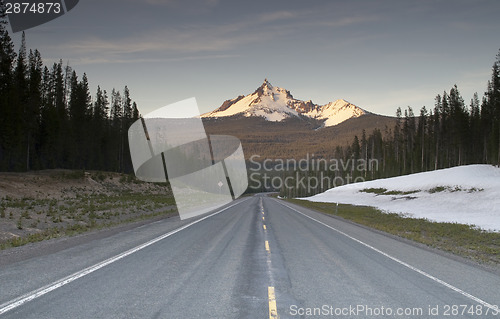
column 276, row 104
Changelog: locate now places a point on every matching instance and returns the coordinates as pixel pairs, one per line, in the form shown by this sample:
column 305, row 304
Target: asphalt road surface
column 256, row 258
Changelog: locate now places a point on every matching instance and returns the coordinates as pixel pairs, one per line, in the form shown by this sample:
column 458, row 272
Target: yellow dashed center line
column 273, row 311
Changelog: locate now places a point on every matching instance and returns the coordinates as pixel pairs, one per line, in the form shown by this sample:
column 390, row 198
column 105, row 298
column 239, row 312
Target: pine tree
column 126, row 161
column 493, row 96
column 32, row 114
column 7, row 58
column 438, row 130
column 116, row 108
column 100, row 122
column 16, row 126
column 420, row 137
column 80, row 114
column 135, row 112
column 101, row 107
column 458, row 126
column 476, row 132
column 117, row 130
column 397, row 139
column 127, row 105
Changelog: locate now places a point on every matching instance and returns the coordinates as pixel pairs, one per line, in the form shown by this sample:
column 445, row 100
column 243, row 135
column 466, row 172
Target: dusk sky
column 376, row 54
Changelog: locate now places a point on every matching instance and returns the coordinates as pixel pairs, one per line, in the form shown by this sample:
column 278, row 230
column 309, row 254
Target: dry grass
column 38, row 206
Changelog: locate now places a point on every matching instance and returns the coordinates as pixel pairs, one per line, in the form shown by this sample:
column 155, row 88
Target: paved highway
column 257, row 258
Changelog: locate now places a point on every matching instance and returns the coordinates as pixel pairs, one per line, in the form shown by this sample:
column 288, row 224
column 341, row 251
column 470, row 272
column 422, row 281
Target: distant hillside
column 294, row 137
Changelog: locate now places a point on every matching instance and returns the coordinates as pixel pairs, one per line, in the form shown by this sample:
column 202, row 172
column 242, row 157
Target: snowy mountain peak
column 267, row 84
column 276, row 104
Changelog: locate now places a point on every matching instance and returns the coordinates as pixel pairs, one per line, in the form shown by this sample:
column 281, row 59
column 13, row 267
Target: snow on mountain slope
column 335, row 112
column 276, row 104
column 465, row 194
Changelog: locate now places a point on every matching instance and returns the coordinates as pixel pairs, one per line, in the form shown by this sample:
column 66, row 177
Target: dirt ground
column 54, row 203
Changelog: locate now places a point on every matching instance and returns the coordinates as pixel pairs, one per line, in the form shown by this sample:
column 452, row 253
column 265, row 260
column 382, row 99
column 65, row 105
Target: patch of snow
column 471, row 195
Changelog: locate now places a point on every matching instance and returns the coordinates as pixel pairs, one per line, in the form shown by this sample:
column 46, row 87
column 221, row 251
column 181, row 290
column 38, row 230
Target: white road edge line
column 460, row 291
column 66, row 280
